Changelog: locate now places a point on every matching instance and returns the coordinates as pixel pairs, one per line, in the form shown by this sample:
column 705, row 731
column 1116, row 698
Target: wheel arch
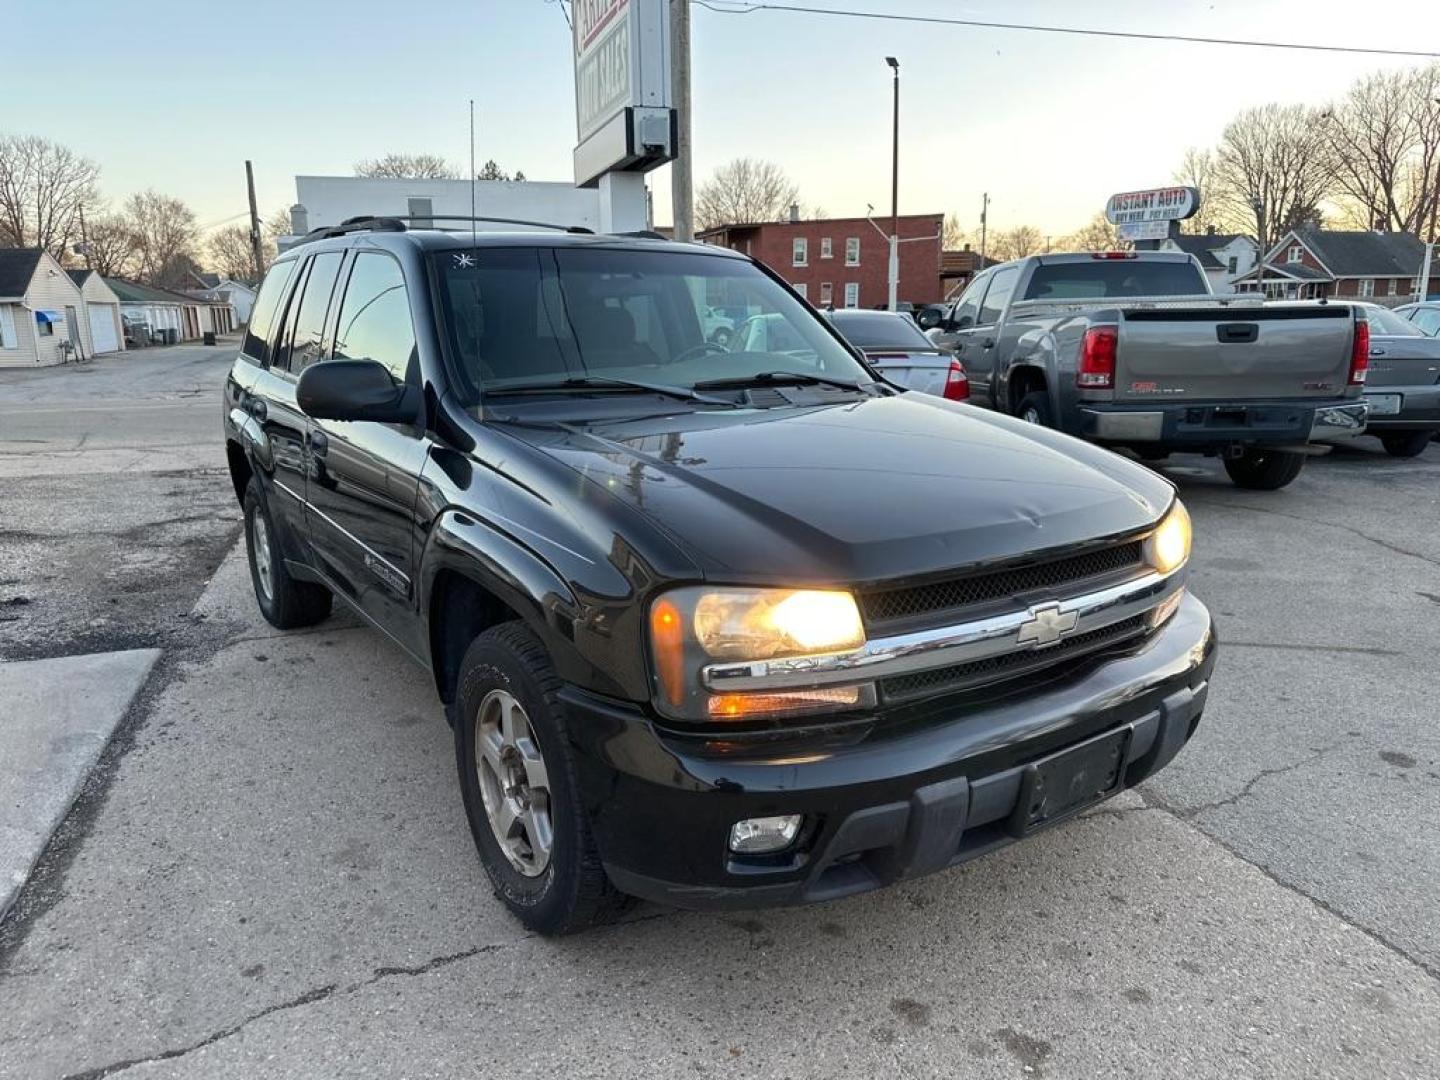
column 240, row 468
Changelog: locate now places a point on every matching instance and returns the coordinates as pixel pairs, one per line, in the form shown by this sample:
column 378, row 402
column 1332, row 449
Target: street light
column 895, row 190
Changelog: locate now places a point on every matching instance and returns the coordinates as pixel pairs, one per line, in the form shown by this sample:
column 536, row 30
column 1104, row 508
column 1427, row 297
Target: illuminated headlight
column 692, row 627
column 1168, row 547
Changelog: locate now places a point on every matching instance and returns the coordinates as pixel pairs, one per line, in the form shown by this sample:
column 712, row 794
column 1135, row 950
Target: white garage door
column 102, row 327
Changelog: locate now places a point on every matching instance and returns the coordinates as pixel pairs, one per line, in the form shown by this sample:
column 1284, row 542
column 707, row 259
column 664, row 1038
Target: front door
column 364, row 476
column 72, row 326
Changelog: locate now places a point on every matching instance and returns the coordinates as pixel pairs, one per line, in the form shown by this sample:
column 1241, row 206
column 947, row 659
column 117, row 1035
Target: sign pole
column 681, row 181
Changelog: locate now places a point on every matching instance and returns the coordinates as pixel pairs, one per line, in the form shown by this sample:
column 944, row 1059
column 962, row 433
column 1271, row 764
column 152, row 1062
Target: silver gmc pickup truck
column 1132, row 349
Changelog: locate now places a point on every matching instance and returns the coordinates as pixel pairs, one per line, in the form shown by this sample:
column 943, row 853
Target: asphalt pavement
column 271, row 874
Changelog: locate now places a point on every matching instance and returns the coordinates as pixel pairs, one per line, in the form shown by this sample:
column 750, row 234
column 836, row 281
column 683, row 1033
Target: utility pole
column 894, row 275
column 984, row 213
column 682, row 193
column 254, row 224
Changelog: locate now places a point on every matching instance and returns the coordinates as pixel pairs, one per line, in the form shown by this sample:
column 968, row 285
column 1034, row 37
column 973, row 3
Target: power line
column 741, row 7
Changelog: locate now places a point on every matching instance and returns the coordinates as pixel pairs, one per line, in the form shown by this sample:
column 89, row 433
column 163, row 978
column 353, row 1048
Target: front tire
column 519, row 783
column 1259, row 469
column 1406, row 444
column 286, row 603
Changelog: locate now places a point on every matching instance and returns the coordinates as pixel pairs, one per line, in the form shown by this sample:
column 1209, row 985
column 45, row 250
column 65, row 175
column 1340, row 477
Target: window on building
column 1296, row 254
column 852, row 251
column 827, row 250
column 420, row 211
column 374, row 321
column 1394, row 287
column 802, row 289
column 852, row 290
column 8, row 338
column 1367, row 287
column 800, row 252
column 1231, row 264
column 827, row 293
column 45, row 328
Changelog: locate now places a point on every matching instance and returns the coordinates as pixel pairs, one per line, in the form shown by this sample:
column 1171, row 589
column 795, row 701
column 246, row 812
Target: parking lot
column 270, row 874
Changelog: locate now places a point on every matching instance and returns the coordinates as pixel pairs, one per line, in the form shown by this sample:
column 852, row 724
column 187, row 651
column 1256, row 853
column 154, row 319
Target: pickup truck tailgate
column 1233, row 355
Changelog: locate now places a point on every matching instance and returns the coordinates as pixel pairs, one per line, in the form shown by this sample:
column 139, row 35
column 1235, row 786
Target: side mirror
column 930, row 317
column 354, row 390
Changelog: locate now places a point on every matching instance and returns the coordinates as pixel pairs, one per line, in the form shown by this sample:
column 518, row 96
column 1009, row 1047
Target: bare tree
column 1097, row 234
column 1271, row 172
column 1384, row 143
column 953, row 237
column 165, row 236
column 110, row 245
column 1198, row 170
column 1016, row 243
column 43, row 185
column 408, row 167
column 745, row 191
column 228, row 252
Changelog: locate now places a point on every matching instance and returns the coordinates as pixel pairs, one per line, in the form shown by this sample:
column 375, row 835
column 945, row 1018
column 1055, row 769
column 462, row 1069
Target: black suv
column 716, row 627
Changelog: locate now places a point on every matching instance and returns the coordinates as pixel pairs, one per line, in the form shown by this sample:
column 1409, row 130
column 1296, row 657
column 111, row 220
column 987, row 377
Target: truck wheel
column 1404, row 444
column 1264, row 470
column 518, row 780
column 287, row 604
column 1035, row 409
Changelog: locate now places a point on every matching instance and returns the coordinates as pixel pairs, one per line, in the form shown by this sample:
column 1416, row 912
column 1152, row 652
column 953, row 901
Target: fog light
column 759, row 835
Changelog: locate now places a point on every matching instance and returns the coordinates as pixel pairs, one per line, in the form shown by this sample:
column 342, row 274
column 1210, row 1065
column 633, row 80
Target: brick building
column 843, row 261
column 1309, row 263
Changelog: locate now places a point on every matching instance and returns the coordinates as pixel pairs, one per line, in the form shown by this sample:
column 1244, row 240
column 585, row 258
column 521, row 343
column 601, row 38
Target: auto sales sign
column 1156, row 204
column 604, row 72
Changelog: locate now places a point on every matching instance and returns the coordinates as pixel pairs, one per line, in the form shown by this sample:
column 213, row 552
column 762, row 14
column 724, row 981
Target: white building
column 42, row 311
column 329, row 200
column 1223, row 256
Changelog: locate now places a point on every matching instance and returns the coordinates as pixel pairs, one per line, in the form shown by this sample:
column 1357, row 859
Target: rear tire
column 1259, row 469
column 286, row 603
column 1406, row 444
column 1034, row 408
column 546, row 869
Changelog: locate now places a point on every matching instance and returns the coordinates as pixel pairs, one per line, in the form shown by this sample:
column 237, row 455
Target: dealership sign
column 622, row 86
column 1143, row 230
column 1157, row 204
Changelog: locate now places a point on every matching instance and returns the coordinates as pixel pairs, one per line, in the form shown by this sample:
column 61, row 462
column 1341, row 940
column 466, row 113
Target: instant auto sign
column 603, row 72
column 1156, row 204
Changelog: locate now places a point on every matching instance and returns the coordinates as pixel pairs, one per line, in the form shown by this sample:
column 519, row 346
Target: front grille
column 994, row 669
column 1057, row 577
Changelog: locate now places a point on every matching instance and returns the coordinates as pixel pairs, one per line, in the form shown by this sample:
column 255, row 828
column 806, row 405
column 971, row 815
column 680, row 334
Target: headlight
column 692, row 627
column 1168, row 547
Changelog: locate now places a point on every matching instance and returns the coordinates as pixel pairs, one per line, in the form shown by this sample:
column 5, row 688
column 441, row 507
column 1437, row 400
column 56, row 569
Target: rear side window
column 1387, row 322
column 375, row 319
column 998, row 295
column 1428, row 320
column 880, row 332
column 1100, row 278
column 258, row 334
column 308, row 337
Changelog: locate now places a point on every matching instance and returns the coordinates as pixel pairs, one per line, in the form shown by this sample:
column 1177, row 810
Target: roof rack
column 398, row 223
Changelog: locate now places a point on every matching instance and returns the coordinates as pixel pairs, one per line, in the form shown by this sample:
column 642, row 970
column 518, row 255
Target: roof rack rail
column 398, row 223
column 644, row 234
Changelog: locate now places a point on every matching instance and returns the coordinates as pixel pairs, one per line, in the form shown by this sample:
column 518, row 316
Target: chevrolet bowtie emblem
column 1047, row 624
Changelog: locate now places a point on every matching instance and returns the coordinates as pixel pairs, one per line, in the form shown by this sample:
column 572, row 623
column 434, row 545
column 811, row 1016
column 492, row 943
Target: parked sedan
column 1403, row 383
column 898, row 350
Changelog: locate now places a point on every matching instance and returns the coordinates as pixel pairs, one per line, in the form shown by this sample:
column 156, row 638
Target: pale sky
column 175, row 95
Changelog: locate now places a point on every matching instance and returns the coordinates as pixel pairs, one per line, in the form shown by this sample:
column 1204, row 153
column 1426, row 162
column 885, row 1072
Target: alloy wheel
column 264, row 563
column 514, row 784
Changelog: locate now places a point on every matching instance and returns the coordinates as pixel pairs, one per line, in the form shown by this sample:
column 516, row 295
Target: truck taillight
column 957, row 384
column 1360, row 353
column 1097, row 359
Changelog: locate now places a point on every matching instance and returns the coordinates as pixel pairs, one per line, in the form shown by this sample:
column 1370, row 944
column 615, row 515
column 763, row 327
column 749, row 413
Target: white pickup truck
column 1132, row 349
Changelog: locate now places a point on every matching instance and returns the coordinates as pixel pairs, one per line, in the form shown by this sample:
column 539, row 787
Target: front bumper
column 906, row 795
column 1214, row 425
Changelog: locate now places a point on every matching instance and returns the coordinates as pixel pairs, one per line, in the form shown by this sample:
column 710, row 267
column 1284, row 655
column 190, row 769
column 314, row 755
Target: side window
column 256, row 347
column 968, row 306
column 375, row 319
column 308, row 337
column 1428, row 320
column 998, row 295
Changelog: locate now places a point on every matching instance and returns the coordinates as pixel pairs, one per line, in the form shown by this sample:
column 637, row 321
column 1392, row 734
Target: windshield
column 541, row 316
column 881, row 331
column 1100, row 278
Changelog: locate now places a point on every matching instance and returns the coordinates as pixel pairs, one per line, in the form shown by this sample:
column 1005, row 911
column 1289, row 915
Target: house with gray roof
column 1309, row 263
column 42, row 318
column 1225, row 257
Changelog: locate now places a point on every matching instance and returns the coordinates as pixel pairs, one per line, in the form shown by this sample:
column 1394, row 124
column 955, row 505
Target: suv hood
column 868, row 490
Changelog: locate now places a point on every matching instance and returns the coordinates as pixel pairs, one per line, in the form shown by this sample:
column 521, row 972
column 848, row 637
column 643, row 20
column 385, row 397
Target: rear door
column 1214, row 354
column 976, row 347
column 364, row 475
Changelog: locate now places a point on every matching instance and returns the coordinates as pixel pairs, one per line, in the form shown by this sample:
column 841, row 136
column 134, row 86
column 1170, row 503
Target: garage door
column 102, row 327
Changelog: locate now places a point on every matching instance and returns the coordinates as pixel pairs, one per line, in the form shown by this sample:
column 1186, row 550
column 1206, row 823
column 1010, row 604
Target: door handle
column 319, row 443
column 1377, row 352
column 257, row 408
column 988, row 343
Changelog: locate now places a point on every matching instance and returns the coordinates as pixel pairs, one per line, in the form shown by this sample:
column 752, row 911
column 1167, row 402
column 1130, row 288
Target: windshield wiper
column 767, row 378
column 591, row 382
